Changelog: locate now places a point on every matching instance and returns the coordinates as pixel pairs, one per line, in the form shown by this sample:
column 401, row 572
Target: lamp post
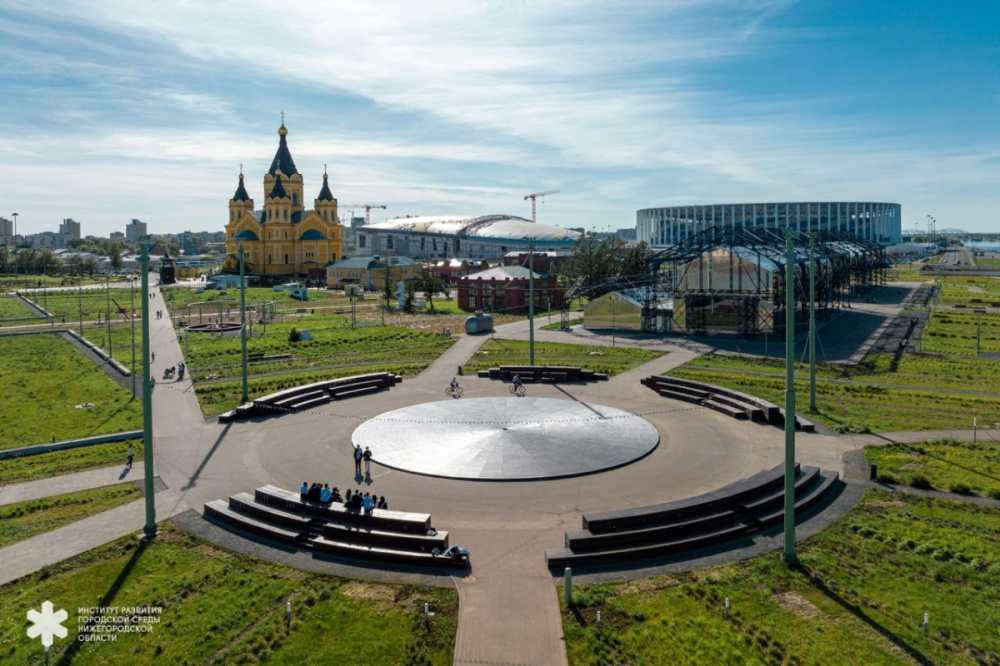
column 14, row 215
column 789, row 553
column 531, row 303
column 243, row 326
column 131, row 282
column 812, row 322
column 147, row 399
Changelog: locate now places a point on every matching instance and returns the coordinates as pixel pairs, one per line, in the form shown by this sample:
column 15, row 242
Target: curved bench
column 312, row 395
column 384, row 536
column 733, row 403
column 735, row 511
column 543, row 373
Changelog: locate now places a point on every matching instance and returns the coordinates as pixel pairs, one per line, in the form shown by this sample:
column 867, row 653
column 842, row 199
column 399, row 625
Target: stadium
column 877, row 222
column 446, row 236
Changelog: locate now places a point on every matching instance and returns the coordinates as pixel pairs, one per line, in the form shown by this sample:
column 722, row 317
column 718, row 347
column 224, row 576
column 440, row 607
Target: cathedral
column 284, row 239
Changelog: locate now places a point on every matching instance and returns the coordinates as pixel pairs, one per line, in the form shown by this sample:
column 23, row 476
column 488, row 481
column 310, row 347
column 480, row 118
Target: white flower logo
column 47, row 623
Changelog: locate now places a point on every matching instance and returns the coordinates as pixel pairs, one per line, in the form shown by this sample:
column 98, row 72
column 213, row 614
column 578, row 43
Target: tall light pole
column 147, row 398
column 131, row 282
column 531, row 301
column 789, row 554
column 812, row 322
column 14, row 215
column 243, row 325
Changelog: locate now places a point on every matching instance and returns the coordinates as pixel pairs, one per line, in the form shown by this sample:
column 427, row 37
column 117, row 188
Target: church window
column 286, row 258
column 268, row 257
column 295, row 197
column 286, row 215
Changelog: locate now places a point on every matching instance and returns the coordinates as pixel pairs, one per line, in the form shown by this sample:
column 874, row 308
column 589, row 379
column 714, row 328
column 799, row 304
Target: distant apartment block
column 135, row 230
column 117, row 235
column 70, row 227
column 56, row 241
column 6, row 227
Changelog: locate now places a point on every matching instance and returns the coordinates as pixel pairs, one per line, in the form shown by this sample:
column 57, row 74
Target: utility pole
column 243, row 325
column 812, row 322
column 531, row 302
column 132, row 317
column 789, row 554
column 147, row 399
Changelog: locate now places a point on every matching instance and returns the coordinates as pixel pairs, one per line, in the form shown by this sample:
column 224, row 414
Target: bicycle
column 518, row 389
column 454, row 391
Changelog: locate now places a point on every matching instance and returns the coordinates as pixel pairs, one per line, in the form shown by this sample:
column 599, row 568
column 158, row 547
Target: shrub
column 920, row 481
column 924, row 549
column 960, row 488
column 994, row 493
column 294, row 335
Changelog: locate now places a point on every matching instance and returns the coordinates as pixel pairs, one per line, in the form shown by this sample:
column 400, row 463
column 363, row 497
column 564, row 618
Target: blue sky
column 117, row 110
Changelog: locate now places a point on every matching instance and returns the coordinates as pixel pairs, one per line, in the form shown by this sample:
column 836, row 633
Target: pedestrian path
column 30, row 555
column 70, row 483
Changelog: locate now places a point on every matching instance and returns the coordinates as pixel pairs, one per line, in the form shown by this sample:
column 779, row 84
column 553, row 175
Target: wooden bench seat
column 567, row 558
column 299, row 396
column 311, row 402
column 806, row 478
column 583, row 540
column 728, row 410
column 417, row 523
column 367, row 536
column 350, row 392
column 219, row 511
column 246, row 504
column 728, row 496
column 324, row 545
column 683, row 397
column 677, row 388
column 817, row 494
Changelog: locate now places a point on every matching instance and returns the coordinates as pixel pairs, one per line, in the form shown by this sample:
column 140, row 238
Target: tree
column 595, row 261
column 410, row 296
column 90, row 265
column 115, row 254
column 636, row 259
column 432, row 286
column 49, row 262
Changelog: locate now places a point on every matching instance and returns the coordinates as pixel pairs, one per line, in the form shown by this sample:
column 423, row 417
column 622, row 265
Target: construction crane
column 535, row 196
column 367, row 207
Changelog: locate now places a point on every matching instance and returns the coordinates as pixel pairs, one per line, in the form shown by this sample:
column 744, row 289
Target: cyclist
column 517, row 382
column 454, row 383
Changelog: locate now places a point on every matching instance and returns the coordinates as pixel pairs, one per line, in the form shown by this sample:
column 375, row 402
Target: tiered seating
column 727, row 401
column 543, row 373
column 733, row 512
column 385, row 536
column 313, row 395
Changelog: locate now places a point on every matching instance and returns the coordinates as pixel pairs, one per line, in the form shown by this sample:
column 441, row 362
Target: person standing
column 367, row 456
column 131, row 456
column 357, row 459
column 367, row 503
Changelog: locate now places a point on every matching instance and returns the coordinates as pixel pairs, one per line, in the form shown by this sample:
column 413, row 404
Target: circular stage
column 505, row 439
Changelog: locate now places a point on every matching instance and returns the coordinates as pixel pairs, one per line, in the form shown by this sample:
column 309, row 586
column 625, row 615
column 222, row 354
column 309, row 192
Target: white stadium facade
column 487, row 237
column 878, row 222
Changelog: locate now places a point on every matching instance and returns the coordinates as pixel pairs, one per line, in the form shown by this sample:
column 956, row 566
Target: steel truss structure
column 731, row 281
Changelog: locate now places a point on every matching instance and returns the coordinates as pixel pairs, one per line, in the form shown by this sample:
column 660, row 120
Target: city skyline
column 458, row 108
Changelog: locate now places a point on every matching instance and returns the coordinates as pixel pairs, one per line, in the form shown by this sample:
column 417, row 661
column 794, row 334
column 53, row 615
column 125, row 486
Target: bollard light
column 598, row 619
column 927, row 622
column 288, row 615
column 568, row 585
column 727, row 606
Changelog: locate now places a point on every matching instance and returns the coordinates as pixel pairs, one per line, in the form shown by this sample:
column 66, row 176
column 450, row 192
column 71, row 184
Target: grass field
column 222, row 607
column 955, row 332
column 862, row 405
column 14, row 308
column 68, row 461
column 90, row 302
column 958, row 290
column 44, row 379
column 217, row 397
column 858, row 598
column 611, row 360
column 32, row 282
column 23, row 520
column 942, row 464
column 334, row 343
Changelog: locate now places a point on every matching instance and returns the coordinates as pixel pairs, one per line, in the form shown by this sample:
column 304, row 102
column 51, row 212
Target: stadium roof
column 484, row 226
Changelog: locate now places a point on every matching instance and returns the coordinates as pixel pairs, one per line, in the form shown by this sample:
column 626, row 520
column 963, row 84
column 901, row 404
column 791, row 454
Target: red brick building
column 451, row 270
column 505, row 289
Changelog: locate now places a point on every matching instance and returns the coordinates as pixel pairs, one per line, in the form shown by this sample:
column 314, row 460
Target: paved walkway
column 70, row 483
column 509, row 605
column 32, row 554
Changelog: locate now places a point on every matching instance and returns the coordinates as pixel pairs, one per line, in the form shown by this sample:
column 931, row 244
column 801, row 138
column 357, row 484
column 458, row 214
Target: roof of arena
column 483, row 226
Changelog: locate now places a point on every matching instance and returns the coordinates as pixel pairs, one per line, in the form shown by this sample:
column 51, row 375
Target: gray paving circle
column 506, row 438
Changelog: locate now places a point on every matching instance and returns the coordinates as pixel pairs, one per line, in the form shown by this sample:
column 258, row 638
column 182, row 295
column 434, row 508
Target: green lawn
column 969, row 291
column 865, row 403
column 32, row 282
column 858, row 598
column 24, row 520
column 987, row 262
column 44, row 379
column 68, row 461
column 14, row 308
column 334, row 343
column 217, row 397
column 943, row 464
column 222, row 607
column 955, row 331
column 611, row 360
column 90, row 302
